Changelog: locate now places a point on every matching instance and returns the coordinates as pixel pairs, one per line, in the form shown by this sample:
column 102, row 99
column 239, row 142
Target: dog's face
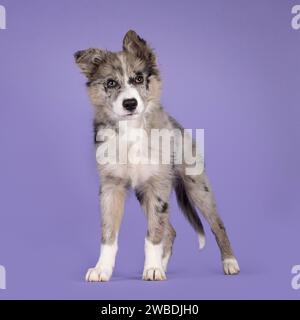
column 124, row 84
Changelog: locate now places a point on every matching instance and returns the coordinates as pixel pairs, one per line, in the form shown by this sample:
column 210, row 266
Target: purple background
column 231, row 67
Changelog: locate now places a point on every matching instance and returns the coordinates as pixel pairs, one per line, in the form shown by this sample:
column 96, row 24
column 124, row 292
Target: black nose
column 130, row 104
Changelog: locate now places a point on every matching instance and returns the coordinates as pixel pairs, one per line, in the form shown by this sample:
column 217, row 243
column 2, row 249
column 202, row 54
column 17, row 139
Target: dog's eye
column 139, row 79
column 110, row 83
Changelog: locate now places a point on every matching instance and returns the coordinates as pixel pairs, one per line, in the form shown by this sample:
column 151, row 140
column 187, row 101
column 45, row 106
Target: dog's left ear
column 134, row 44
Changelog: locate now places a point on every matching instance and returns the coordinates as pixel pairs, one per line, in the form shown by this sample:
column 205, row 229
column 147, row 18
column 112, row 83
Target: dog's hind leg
column 154, row 197
column 112, row 197
column 200, row 192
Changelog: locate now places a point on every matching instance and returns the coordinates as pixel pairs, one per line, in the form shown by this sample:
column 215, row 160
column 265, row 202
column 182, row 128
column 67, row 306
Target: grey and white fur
column 125, row 86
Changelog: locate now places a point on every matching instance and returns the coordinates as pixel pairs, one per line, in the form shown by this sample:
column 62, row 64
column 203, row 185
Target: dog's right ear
column 89, row 60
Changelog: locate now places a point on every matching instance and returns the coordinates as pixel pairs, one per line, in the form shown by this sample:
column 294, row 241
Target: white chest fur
column 130, row 153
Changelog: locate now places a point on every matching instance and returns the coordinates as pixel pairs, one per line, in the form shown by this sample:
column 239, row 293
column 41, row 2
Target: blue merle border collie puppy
column 125, row 87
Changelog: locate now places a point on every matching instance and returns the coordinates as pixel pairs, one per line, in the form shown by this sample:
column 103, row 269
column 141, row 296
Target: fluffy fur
column 133, row 75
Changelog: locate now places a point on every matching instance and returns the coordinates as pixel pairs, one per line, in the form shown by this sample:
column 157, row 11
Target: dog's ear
column 134, row 44
column 89, row 60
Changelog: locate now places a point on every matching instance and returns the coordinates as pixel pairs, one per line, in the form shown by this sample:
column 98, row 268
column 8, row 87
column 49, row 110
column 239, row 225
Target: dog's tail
column 189, row 210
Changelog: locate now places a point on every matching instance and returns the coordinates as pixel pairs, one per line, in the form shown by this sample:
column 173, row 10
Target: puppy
column 124, row 88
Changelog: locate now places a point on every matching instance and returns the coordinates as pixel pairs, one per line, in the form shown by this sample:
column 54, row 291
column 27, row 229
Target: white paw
column 154, row 274
column 98, row 274
column 231, row 266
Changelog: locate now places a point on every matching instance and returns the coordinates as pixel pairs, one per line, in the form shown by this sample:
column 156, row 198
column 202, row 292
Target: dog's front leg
column 155, row 204
column 112, row 197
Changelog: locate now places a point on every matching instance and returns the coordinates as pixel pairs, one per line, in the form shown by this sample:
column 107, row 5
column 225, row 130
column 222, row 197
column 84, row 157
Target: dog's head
column 124, row 84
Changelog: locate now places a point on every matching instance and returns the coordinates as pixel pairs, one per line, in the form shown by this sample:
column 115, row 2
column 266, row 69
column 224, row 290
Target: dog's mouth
column 131, row 114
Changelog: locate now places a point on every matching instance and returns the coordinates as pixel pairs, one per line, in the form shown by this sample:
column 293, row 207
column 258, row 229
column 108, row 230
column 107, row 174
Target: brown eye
column 139, row 79
column 111, row 83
